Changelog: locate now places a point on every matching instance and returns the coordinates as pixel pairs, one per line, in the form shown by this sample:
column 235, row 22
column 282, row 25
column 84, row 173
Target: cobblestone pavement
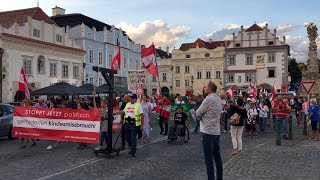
column 260, row 159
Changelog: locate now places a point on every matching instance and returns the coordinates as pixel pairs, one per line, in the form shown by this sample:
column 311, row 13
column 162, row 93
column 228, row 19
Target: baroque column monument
column 312, row 72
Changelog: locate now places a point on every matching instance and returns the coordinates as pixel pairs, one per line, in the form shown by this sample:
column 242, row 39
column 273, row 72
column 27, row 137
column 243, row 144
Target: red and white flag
column 149, row 60
column 230, row 92
column 23, row 85
column 158, row 93
column 273, row 96
column 115, row 64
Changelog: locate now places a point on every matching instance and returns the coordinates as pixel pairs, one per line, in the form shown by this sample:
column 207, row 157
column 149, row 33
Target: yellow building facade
column 195, row 64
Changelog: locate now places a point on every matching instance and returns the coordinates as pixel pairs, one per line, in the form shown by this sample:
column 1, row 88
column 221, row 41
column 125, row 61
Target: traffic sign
column 307, row 86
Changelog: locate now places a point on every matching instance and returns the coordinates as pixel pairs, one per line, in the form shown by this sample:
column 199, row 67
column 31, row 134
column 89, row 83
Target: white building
column 31, row 39
column 256, row 55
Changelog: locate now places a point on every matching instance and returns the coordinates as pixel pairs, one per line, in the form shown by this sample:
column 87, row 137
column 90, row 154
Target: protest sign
column 56, row 124
column 136, row 77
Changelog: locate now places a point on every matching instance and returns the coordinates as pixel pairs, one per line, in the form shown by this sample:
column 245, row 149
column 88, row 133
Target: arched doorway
column 165, row 90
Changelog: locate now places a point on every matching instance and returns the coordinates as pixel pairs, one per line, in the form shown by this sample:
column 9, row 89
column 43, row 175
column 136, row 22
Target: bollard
column 305, row 131
column 278, row 131
column 290, row 128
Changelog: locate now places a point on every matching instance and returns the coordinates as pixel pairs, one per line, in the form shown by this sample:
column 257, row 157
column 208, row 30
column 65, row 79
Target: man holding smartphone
column 280, row 110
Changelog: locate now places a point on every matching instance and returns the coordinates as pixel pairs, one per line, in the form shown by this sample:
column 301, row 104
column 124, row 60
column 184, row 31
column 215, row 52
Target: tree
column 294, row 71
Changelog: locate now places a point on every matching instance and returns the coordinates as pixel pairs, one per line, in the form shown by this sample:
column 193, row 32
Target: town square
column 168, row 90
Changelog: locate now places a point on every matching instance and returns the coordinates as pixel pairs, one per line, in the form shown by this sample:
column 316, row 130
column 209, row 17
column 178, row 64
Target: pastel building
column 256, row 54
column 100, row 40
column 29, row 38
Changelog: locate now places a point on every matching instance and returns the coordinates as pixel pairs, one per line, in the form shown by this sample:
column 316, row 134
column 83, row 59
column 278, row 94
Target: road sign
column 307, row 86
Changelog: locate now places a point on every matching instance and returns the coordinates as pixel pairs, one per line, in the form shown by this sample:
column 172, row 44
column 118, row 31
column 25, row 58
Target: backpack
column 234, row 119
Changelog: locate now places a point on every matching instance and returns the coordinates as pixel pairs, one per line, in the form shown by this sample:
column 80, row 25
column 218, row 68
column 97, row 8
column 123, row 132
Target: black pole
column 1, row 53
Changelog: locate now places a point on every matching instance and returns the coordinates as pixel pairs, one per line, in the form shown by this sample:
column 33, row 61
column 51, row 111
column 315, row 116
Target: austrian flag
column 149, row 60
column 230, row 92
column 115, row 64
column 23, row 85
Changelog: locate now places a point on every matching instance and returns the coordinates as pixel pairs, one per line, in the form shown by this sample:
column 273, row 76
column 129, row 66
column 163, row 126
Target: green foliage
column 294, row 71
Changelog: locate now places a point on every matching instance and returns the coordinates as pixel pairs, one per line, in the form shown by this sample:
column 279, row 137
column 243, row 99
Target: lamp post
column 192, row 79
column 1, row 53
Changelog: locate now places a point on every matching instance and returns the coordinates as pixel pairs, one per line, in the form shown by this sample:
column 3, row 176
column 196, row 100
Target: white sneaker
column 224, row 131
column 98, row 148
column 49, row 147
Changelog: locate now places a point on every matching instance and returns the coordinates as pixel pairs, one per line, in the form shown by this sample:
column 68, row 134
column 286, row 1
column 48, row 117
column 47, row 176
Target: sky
column 173, row 22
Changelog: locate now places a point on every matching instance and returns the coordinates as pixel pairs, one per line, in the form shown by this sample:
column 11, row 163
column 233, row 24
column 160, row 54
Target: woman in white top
column 263, row 115
column 153, row 111
column 252, row 117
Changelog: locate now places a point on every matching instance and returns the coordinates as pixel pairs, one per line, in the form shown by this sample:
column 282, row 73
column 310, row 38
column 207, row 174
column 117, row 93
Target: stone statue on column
column 312, row 63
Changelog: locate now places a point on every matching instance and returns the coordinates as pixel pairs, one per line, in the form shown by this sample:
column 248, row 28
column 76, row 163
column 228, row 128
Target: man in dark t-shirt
column 180, row 119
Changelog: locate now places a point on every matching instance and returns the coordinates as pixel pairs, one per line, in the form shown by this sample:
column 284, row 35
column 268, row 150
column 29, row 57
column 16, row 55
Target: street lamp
column 192, row 79
column 1, row 53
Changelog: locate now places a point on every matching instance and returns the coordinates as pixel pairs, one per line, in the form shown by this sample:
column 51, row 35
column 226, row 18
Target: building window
column 271, row 73
column 188, row 56
column 41, row 65
column 186, row 69
column 137, row 65
column 237, row 44
column 53, row 69
column 27, row 65
column 208, row 75
column 230, row 78
column 59, row 38
column 187, row 83
column 207, row 55
column 249, row 77
column 232, row 60
column 218, row 74
column 36, row 32
column 65, row 70
column 89, row 35
column 110, row 59
column 164, row 77
column 100, row 81
column 154, row 78
column 100, row 58
column 124, row 63
column 239, row 79
column 76, row 72
column 199, row 75
column 249, row 59
column 154, row 91
column 91, row 56
column 271, row 57
column 177, row 69
column 91, row 80
column 270, row 43
column 177, row 83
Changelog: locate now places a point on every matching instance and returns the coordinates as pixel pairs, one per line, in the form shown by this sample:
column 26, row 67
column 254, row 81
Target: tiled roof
column 42, row 42
column 202, row 44
column 7, row 18
column 162, row 54
column 254, row 27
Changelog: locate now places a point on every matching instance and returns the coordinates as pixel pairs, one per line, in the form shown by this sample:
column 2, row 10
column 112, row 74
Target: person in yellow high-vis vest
column 133, row 118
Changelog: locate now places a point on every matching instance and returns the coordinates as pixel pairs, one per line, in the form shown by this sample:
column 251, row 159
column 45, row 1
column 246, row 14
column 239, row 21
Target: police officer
column 133, row 118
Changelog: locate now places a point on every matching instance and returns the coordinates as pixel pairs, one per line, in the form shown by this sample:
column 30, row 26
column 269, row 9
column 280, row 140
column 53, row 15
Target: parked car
column 6, row 120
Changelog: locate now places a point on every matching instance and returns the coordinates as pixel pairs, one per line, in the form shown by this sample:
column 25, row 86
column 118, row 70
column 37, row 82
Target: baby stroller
column 179, row 134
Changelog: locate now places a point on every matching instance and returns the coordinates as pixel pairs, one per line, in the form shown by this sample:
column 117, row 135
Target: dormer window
column 59, row 38
column 270, row 43
column 36, row 32
column 207, row 55
column 188, row 56
column 237, row 44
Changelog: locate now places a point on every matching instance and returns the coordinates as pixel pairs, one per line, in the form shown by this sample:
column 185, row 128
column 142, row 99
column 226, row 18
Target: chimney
column 284, row 39
column 210, row 40
column 58, row 11
column 167, row 50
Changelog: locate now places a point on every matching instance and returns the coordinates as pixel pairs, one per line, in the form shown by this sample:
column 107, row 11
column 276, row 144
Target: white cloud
column 157, row 31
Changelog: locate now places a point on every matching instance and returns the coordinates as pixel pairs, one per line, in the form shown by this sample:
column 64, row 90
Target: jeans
column 226, row 117
column 211, row 150
column 123, row 135
column 103, row 138
column 196, row 125
column 236, row 135
column 284, row 124
column 131, row 136
column 263, row 121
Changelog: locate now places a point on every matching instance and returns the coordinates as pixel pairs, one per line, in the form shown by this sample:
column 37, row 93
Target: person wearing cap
column 314, row 117
column 133, row 118
column 164, row 114
column 280, row 111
